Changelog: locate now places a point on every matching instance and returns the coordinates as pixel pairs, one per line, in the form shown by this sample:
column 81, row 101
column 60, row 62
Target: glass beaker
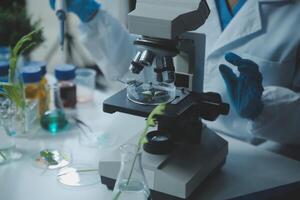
column 86, row 82
column 131, row 182
column 15, row 120
column 8, row 151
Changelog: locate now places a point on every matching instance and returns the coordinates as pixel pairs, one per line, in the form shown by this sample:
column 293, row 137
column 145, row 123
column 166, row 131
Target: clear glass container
column 151, row 93
column 54, row 120
column 78, row 175
column 65, row 75
column 31, row 78
column 152, row 78
column 8, row 151
column 52, row 158
column 15, row 120
column 145, row 90
column 86, row 82
column 131, row 182
column 44, row 88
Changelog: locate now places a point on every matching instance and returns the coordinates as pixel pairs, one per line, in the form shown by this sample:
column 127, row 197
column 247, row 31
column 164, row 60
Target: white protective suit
column 265, row 31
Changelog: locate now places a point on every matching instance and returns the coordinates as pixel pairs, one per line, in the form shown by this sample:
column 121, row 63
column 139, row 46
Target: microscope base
column 178, row 175
column 155, row 195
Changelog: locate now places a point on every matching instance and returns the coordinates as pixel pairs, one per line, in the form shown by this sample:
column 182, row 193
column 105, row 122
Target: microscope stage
column 120, row 103
column 178, row 175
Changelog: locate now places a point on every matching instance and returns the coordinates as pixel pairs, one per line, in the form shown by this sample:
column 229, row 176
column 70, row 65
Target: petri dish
column 8, row 152
column 78, row 175
column 52, row 159
column 151, row 94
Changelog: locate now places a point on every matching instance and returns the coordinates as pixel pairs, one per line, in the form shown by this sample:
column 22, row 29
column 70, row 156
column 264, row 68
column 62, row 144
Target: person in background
column 252, row 60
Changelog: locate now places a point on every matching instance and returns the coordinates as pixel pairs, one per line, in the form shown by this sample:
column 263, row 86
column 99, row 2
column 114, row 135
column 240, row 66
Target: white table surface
column 248, row 169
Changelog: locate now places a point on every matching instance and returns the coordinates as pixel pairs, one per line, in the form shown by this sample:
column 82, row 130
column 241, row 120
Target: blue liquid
column 54, row 121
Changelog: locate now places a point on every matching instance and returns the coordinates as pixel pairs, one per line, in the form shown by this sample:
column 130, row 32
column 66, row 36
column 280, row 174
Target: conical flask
column 131, row 182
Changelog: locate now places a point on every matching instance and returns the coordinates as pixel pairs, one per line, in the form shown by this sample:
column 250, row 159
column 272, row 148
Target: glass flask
column 131, row 182
column 54, row 120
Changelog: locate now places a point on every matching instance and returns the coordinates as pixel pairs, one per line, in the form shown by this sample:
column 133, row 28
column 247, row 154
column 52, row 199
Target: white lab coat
column 265, row 31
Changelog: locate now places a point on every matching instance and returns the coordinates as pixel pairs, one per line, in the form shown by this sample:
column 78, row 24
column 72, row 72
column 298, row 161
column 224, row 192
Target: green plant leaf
column 158, row 110
column 152, row 121
column 14, row 89
column 49, row 157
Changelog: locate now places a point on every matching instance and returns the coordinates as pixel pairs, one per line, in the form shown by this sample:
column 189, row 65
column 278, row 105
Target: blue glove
column 245, row 90
column 84, row 9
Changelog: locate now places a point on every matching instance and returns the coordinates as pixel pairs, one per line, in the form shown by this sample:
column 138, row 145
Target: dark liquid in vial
column 68, row 95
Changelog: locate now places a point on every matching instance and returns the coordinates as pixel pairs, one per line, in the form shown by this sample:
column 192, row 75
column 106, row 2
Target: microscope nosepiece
column 159, row 77
column 171, row 77
column 159, row 69
column 170, row 68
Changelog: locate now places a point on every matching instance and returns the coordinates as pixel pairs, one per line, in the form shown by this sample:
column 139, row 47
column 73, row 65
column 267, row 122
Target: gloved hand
column 245, row 90
column 84, row 9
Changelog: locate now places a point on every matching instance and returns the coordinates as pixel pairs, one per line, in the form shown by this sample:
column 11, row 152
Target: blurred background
column 19, row 17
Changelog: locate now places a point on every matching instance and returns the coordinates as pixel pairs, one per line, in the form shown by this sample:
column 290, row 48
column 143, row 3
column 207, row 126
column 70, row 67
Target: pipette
column 61, row 13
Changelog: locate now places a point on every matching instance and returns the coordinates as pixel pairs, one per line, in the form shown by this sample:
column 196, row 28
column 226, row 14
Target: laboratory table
column 250, row 172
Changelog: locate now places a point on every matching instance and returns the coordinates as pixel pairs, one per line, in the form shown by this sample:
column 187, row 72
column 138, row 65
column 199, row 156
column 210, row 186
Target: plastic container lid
column 40, row 64
column 31, row 74
column 65, row 72
column 4, row 68
column 4, row 50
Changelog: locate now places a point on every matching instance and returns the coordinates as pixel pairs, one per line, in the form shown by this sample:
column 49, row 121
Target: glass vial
column 131, row 182
column 65, row 74
column 44, row 88
column 31, row 78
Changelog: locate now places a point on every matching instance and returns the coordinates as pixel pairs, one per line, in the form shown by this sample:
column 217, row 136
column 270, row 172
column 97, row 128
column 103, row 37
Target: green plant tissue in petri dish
column 54, row 121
